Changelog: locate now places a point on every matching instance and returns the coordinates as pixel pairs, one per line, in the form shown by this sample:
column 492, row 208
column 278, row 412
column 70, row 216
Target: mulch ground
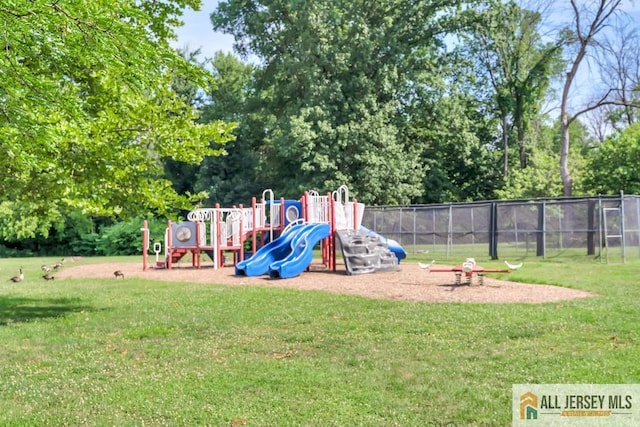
column 409, row 283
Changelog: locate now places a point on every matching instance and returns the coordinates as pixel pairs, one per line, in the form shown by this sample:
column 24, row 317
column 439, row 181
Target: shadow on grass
column 16, row 310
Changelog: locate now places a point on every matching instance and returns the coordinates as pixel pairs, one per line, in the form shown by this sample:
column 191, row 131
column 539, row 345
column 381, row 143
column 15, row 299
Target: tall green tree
column 183, row 174
column 461, row 165
column 451, row 118
column 231, row 178
column 87, row 109
column 335, row 77
column 511, row 53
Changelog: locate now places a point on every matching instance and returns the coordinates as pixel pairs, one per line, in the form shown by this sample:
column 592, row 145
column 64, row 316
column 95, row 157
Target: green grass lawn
column 139, row 352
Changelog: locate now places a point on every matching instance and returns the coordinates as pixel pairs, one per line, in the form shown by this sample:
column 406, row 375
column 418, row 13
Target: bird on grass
column 45, row 268
column 118, row 273
column 48, row 277
column 18, row 278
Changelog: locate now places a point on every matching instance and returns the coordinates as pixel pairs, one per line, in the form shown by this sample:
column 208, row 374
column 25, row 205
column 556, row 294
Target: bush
column 85, row 245
column 77, row 235
column 125, row 238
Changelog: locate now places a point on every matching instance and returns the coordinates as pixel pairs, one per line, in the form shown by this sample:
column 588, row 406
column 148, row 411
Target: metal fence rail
column 605, row 226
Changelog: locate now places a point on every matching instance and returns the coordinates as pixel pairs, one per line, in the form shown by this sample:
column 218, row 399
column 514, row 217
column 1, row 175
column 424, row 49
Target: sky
column 197, row 33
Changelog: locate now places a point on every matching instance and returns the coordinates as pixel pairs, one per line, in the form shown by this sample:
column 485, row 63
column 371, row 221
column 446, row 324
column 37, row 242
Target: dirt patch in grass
column 409, row 283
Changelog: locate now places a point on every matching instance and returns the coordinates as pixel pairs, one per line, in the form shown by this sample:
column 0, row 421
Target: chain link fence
column 605, row 227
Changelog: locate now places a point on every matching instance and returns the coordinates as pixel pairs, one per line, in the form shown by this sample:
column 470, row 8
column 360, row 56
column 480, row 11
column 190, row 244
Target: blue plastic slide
column 301, row 253
column 273, row 251
column 391, row 244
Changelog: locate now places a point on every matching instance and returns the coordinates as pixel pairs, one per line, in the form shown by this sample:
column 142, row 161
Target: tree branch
column 14, row 14
column 599, row 104
column 78, row 21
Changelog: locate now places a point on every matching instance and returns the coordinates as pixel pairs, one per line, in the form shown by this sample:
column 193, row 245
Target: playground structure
column 470, row 269
column 280, row 235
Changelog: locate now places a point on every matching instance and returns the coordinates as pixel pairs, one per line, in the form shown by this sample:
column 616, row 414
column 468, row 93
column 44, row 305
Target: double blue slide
column 287, row 256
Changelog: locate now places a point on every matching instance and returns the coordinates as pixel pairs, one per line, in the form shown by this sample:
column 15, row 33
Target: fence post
column 600, row 225
column 623, row 240
column 493, row 231
column 638, row 220
column 414, row 230
column 450, row 231
column 591, row 227
column 541, row 230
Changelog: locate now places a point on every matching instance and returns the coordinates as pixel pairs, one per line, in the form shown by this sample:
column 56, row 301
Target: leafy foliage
column 510, row 55
column 541, row 178
column 77, row 234
column 231, row 179
column 87, row 109
column 460, row 164
column 334, row 80
column 100, row 119
column 613, row 165
column 123, row 238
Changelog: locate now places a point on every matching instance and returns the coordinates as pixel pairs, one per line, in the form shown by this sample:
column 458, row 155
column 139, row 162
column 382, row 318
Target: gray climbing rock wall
column 364, row 253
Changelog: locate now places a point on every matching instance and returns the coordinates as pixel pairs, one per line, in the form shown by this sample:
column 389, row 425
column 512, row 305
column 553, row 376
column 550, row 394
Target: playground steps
column 177, row 254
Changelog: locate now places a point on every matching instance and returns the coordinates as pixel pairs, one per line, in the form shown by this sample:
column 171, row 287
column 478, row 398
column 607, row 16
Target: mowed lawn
column 138, row 352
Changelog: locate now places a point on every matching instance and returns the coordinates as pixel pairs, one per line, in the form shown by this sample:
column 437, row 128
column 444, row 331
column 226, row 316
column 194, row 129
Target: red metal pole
column 326, row 244
column 332, row 205
column 305, row 207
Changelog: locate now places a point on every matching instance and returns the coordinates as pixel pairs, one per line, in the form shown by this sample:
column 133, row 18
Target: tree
column 585, row 34
column 452, row 123
column 613, row 165
column 510, row 51
column 87, row 110
column 334, row 82
column 459, row 165
column 620, row 64
column 231, row 179
column 541, row 178
column 183, row 174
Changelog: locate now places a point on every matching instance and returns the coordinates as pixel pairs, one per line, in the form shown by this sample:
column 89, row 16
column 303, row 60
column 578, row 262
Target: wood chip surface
column 410, row 283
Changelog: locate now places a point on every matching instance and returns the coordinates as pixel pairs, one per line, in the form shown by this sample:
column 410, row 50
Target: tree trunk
column 605, row 9
column 505, row 140
column 522, row 145
column 567, row 182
